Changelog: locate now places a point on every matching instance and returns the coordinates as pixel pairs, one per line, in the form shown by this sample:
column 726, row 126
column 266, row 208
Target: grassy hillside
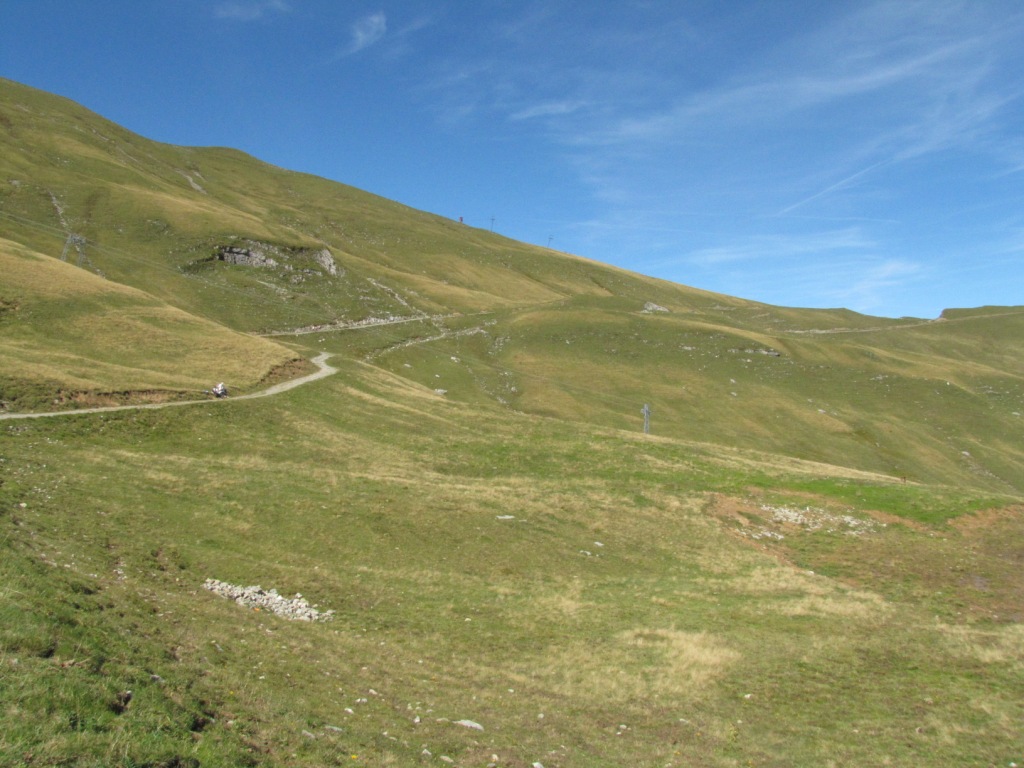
column 589, row 597
column 813, row 559
column 70, row 337
column 534, row 330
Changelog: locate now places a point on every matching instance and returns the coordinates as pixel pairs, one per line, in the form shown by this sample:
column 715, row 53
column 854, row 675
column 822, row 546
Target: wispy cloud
column 828, row 152
column 766, row 97
column 775, row 249
column 862, row 282
column 249, row 10
column 400, row 40
column 363, row 33
column 885, row 85
column 549, row 109
column 453, row 92
column 869, row 282
column 835, row 187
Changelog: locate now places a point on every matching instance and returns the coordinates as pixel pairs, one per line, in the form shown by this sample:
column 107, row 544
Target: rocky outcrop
column 325, row 260
column 245, row 257
column 262, row 255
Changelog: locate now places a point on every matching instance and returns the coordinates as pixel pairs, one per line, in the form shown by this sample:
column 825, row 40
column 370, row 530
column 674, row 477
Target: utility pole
column 550, row 238
column 492, row 223
column 646, row 411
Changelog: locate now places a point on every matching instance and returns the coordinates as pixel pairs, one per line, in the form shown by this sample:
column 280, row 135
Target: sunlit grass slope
column 587, row 597
column 153, row 213
column 939, row 401
column 69, row 333
column 813, row 559
column 488, row 319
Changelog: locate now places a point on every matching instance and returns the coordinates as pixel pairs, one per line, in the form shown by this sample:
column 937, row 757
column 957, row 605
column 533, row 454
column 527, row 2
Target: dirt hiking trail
column 323, row 370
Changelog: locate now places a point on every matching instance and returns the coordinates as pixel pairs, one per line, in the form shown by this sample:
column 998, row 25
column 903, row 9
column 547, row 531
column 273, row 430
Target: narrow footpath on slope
column 323, row 370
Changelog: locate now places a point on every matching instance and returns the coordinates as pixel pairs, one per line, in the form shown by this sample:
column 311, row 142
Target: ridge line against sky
column 859, row 154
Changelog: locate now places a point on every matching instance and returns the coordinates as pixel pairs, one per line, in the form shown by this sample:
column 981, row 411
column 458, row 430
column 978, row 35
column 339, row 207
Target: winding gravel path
column 323, row 370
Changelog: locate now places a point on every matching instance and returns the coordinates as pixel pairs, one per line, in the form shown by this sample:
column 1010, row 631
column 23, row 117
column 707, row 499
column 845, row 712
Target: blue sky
column 868, row 155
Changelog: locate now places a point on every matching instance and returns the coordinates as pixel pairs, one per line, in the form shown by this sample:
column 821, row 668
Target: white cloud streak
column 549, row 109
column 254, row 10
column 839, row 185
column 365, row 32
column 734, row 155
column 774, row 249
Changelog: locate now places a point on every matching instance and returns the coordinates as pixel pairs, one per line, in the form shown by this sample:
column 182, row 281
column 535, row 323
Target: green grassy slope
column 588, row 596
column 150, row 209
column 908, row 402
column 68, row 335
column 814, row 559
column 533, row 330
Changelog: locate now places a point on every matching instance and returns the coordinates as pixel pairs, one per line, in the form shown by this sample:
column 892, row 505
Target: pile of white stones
column 813, row 519
column 294, row 609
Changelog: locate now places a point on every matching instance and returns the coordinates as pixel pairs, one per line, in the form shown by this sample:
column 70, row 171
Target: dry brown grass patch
column 639, row 663
column 1004, row 645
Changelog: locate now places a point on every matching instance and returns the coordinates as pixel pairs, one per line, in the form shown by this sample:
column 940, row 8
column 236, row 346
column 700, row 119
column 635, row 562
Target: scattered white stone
column 813, row 519
column 469, row 724
column 295, row 609
column 506, row 517
column 764, row 533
